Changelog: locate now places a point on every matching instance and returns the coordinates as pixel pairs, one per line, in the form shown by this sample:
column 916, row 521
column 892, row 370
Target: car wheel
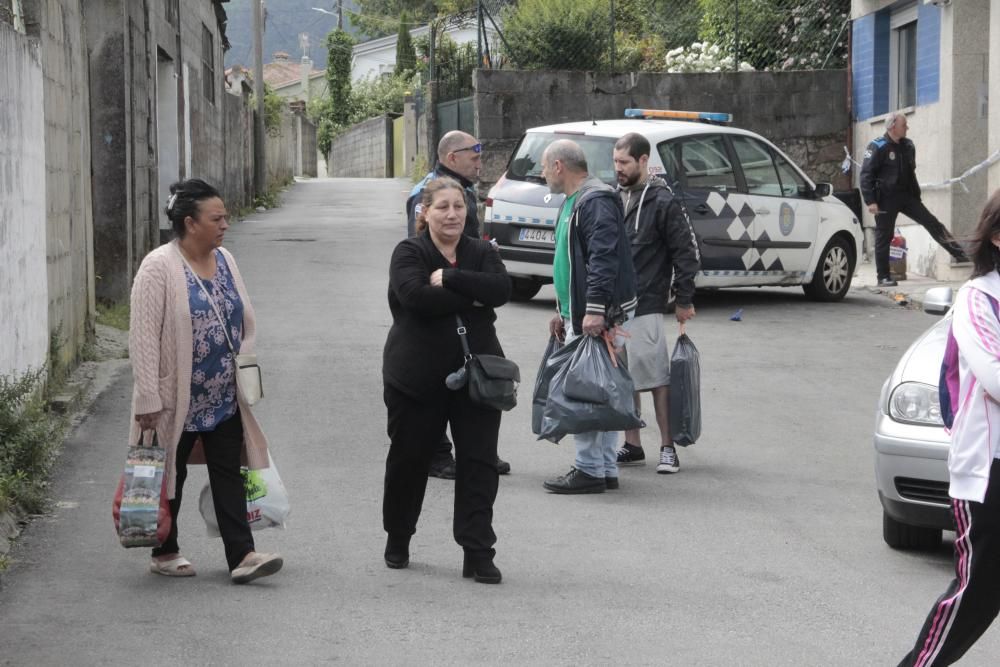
column 903, row 536
column 833, row 274
column 523, row 289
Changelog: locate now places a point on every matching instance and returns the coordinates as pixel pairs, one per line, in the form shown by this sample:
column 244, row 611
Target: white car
column 758, row 219
column 911, row 446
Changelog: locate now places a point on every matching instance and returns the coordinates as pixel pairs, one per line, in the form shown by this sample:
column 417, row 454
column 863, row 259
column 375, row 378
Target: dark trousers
column 415, row 429
column 912, row 207
column 972, row 600
column 222, row 447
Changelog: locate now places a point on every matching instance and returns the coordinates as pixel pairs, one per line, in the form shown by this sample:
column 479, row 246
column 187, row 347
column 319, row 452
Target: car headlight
column 915, row 403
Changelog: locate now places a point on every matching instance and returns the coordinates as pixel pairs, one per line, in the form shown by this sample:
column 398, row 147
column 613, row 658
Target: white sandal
column 172, row 567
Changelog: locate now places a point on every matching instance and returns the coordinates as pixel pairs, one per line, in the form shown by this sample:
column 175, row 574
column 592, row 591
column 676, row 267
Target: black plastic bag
column 591, row 375
column 685, row 393
column 545, row 373
column 564, row 415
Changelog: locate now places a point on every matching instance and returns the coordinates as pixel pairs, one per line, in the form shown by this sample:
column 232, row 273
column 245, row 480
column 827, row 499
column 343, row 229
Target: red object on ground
column 897, row 256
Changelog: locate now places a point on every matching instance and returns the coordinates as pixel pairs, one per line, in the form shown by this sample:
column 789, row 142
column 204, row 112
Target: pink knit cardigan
column 160, row 346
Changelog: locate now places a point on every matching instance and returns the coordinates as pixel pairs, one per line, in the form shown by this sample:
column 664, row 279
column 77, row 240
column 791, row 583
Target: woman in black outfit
column 433, row 277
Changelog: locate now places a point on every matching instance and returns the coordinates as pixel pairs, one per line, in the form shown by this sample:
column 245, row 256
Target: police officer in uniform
column 889, row 187
column 458, row 158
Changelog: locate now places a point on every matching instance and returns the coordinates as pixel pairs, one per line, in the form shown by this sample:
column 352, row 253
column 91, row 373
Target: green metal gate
column 456, row 115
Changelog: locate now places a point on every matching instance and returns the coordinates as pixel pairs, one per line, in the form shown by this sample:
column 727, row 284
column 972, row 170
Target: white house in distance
column 378, row 56
column 938, row 61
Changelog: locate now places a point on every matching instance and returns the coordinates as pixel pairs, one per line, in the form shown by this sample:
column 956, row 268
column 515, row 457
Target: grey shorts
column 646, row 349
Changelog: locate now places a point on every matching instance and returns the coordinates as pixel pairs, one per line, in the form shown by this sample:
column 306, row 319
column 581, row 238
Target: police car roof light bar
column 704, row 116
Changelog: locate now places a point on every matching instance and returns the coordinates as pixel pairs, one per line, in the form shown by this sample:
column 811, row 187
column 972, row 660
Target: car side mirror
column 938, row 300
column 823, row 190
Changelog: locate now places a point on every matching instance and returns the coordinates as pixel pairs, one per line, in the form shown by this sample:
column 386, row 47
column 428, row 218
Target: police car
column 758, row 219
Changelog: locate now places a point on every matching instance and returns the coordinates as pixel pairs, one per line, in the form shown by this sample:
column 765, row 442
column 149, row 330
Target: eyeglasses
column 475, row 148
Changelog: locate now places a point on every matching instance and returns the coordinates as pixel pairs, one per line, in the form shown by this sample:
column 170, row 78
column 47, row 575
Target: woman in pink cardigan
column 190, row 316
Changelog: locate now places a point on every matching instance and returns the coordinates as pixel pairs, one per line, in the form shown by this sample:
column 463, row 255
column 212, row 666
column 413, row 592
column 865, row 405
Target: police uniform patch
column 868, row 153
column 892, row 155
column 417, row 209
column 786, row 218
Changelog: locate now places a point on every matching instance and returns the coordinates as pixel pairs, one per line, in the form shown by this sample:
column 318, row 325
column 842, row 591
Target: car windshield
column 526, row 164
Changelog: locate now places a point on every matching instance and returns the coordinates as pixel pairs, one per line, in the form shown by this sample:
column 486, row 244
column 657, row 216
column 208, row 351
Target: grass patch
column 30, row 437
column 113, row 315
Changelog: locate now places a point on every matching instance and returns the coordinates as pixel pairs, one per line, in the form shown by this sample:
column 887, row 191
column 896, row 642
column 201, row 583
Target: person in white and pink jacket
column 970, row 406
column 191, row 315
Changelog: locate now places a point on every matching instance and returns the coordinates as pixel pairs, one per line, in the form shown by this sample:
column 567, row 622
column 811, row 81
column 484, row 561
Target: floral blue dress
column 213, row 376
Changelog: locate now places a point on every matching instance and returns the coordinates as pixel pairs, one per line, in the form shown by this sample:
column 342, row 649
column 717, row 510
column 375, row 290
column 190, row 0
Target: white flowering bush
column 701, row 57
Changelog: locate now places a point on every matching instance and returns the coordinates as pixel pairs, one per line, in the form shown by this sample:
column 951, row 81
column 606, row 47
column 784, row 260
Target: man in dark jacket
column 889, row 187
column 663, row 242
column 458, row 158
column 595, row 289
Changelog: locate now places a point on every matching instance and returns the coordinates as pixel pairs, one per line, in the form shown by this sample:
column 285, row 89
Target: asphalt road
column 765, row 549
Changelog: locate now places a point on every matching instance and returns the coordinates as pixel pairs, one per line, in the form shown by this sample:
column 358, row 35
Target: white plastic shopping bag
column 267, row 500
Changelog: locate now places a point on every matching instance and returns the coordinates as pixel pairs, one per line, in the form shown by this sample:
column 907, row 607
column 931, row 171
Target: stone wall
column 803, row 113
column 23, row 284
column 58, row 26
column 364, row 151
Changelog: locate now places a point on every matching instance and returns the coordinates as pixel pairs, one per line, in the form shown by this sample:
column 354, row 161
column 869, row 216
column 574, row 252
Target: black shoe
column 576, row 481
column 503, row 468
column 611, row 483
column 397, row 552
column 443, row 467
column 887, row 282
column 631, row 455
column 482, row 568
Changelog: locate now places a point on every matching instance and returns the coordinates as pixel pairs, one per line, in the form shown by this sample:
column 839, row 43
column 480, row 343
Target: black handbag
column 492, row 380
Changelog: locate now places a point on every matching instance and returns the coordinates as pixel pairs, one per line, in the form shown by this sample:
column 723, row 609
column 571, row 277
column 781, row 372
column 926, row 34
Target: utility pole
column 259, row 153
column 340, row 14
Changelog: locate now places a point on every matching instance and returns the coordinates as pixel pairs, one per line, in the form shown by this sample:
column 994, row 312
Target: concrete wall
column 364, row 151
column 803, row 113
column 281, row 152
column 24, row 329
column 237, row 182
column 154, row 121
column 306, row 157
column 994, row 92
column 58, row 25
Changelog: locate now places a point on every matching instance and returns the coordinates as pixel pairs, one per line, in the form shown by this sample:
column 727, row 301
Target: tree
column 406, row 55
column 558, row 34
column 336, row 112
column 378, row 18
column 797, row 34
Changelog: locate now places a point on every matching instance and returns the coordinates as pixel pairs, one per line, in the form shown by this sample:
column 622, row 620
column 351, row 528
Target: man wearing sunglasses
column 459, row 157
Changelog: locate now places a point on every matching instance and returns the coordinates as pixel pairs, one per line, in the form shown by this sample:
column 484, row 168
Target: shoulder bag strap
column 461, row 335
column 208, row 295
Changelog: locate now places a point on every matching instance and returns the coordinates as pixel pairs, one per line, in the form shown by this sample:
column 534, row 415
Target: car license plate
column 539, row 235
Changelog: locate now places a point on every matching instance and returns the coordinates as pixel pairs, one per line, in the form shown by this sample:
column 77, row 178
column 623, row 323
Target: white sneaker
column 669, row 463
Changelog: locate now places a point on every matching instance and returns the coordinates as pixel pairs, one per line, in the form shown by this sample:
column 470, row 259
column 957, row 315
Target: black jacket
column 471, row 204
column 602, row 280
column 662, row 239
column 423, row 347
column 889, row 171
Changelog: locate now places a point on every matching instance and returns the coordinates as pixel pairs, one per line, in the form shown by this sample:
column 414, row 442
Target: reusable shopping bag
column 685, row 392
column 267, row 500
column 141, row 510
column 564, row 414
column 542, row 379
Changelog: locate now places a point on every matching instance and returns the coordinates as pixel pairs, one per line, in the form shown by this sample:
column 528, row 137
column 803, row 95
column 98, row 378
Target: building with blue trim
column 939, row 62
